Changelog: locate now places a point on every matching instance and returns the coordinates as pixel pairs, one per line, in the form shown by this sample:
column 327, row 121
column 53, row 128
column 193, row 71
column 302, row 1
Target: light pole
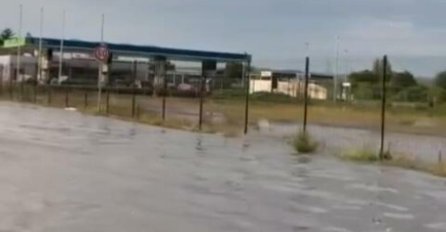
column 346, row 63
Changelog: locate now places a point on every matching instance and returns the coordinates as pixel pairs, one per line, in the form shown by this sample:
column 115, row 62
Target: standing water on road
column 64, row 171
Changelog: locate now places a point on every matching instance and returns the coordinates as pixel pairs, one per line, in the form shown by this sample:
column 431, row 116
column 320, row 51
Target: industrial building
column 290, row 82
column 127, row 65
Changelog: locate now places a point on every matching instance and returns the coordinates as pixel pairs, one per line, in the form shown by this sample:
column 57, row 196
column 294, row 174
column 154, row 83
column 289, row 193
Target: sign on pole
column 102, row 53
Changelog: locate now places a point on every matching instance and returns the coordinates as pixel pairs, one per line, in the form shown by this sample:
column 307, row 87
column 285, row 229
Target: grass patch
column 395, row 160
column 304, row 144
column 240, row 95
column 360, row 155
column 412, row 163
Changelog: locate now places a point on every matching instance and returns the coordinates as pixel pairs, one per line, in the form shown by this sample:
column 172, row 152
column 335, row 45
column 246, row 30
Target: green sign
column 14, row 42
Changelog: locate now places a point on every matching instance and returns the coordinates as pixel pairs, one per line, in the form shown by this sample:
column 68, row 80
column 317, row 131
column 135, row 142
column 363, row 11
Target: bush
column 366, row 155
column 229, row 94
column 416, row 93
column 240, row 94
column 362, row 155
column 304, row 143
column 367, row 91
column 272, row 97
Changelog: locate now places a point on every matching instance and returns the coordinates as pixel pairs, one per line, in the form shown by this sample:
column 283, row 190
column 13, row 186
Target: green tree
column 363, row 76
column 415, row 93
column 402, row 80
column 378, row 69
column 5, row 35
column 440, row 80
column 437, row 94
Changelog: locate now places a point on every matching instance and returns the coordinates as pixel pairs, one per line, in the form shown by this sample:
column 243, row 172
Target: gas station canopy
column 140, row 51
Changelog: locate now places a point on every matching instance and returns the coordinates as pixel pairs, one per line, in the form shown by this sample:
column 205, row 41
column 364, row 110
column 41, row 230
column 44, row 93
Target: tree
column 440, row 80
column 363, row 76
column 402, row 80
column 234, row 70
column 437, row 94
column 5, row 35
column 378, row 69
column 415, row 93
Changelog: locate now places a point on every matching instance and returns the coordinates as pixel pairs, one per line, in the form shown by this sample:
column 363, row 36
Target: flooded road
column 62, row 171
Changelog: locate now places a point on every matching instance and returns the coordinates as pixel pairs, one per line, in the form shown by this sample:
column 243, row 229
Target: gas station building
column 127, row 64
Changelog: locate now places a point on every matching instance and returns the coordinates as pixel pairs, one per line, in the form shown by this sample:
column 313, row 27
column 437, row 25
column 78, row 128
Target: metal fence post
column 134, row 74
column 22, row 98
column 200, row 119
column 35, row 83
column 383, row 108
column 164, row 97
column 133, row 102
column 247, row 86
column 66, row 97
column 10, row 89
column 107, row 101
column 85, row 98
column 1, row 83
column 49, row 94
column 35, row 93
column 307, row 76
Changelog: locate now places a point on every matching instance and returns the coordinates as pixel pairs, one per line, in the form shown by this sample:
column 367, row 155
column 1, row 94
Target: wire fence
column 221, row 103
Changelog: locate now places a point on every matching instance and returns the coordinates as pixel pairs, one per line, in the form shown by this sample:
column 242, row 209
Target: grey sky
column 411, row 32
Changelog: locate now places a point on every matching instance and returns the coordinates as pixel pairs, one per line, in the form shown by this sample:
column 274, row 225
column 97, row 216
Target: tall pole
column 335, row 78
column 307, row 76
column 134, row 73
column 243, row 75
column 165, row 93
column 19, row 50
column 248, row 83
column 39, row 57
column 61, row 46
column 202, row 90
column 383, row 107
column 100, row 65
column 346, row 62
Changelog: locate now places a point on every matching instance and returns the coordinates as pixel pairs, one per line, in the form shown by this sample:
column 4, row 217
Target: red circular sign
column 102, row 53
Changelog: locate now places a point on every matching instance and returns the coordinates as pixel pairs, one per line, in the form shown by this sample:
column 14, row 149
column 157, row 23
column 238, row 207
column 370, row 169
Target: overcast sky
column 275, row 32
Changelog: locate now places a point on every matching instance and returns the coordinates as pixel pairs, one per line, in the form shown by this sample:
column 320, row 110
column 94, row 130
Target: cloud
column 274, row 31
column 399, row 38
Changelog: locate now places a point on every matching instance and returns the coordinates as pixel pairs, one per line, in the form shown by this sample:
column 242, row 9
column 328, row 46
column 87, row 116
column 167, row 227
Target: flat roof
column 313, row 75
column 142, row 51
